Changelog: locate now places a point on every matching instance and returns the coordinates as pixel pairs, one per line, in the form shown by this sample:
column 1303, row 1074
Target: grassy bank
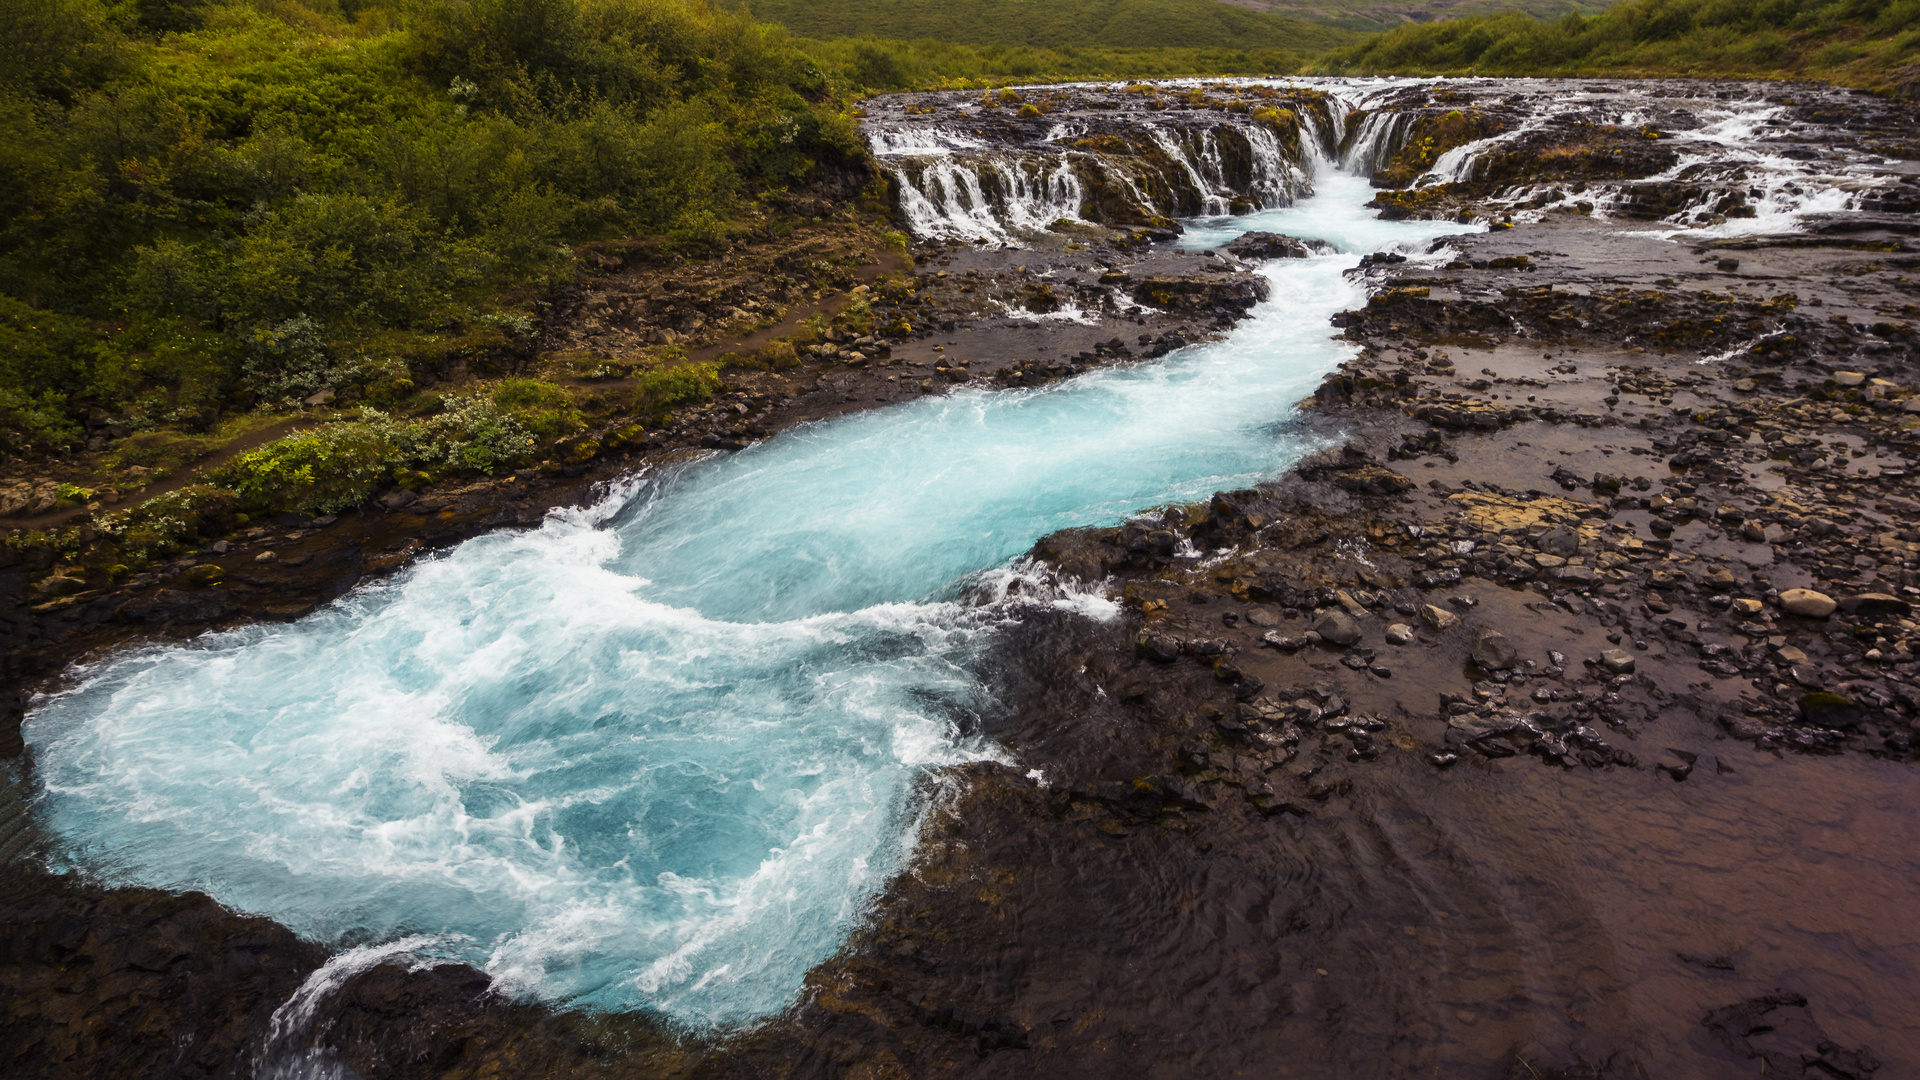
column 1869, row 43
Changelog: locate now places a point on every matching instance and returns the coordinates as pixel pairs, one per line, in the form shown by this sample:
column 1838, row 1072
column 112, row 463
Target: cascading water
column 1007, row 179
column 659, row 754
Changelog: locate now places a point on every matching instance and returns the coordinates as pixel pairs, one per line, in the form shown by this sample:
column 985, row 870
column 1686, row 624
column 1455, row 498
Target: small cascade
column 1209, row 201
column 1381, row 135
column 292, row 1049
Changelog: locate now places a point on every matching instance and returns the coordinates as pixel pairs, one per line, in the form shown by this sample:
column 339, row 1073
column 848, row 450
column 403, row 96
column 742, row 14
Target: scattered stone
column 1873, row 605
column 1492, row 650
column 1828, row 709
column 1373, row 480
column 1618, row 661
column 1284, row 642
column 1849, row 378
column 1158, row 648
column 1399, row 634
column 1677, row 763
column 1438, row 617
column 1560, row 541
column 1263, row 616
column 1337, row 628
column 1807, row 604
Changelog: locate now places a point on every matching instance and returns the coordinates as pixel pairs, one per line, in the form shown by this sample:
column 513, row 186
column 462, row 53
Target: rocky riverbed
column 1556, row 719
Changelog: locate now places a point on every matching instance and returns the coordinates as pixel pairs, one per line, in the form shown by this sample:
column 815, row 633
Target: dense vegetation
column 208, row 206
column 1055, row 24
column 1862, row 42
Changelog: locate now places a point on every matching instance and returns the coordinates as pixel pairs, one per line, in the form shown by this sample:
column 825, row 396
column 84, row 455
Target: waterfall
column 1010, row 178
column 1380, row 136
column 1210, row 204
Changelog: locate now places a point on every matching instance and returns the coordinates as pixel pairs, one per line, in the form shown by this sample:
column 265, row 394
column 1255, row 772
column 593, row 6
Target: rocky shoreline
column 1603, row 509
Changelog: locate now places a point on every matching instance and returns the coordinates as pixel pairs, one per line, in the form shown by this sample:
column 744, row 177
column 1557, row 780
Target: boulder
column 57, row 586
column 1239, row 292
column 1337, row 628
column 1829, row 710
column 1266, row 245
column 1373, row 480
column 1873, row 605
column 1560, row 541
column 1807, row 604
column 1158, row 648
column 1492, row 650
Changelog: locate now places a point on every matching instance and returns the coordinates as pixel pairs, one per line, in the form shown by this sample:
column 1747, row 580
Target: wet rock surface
column 1550, row 724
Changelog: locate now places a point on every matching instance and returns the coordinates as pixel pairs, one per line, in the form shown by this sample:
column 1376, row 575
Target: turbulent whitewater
column 659, row 754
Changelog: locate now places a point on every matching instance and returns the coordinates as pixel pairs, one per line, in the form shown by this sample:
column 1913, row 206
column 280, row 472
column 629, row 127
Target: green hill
column 1854, row 42
column 1096, row 24
column 1377, row 15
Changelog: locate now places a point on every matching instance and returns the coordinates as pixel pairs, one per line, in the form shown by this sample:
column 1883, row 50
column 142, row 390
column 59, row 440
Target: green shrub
column 667, row 388
column 34, row 424
column 472, row 435
column 319, row 471
column 779, row 355
column 160, row 525
column 543, row 408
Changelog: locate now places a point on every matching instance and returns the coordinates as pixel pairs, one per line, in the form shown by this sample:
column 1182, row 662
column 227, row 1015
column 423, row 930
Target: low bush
column 319, row 471
column 666, row 388
column 545, row 410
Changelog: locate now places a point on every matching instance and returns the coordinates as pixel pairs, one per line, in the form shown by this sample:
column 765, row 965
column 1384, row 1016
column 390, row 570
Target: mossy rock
column 205, row 576
column 1828, row 709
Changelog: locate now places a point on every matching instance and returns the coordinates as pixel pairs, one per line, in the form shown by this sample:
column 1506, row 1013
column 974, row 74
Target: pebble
column 1807, row 604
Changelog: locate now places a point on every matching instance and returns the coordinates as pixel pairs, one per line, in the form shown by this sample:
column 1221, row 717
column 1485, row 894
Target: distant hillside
column 1874, row 43
column 1099, row 24
column 1375, row 15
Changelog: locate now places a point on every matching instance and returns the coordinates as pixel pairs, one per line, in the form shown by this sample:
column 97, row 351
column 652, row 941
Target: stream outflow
column 659, row 754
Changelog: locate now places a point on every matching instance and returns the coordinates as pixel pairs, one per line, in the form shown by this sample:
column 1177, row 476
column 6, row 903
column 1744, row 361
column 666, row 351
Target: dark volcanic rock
column 1265, row 245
